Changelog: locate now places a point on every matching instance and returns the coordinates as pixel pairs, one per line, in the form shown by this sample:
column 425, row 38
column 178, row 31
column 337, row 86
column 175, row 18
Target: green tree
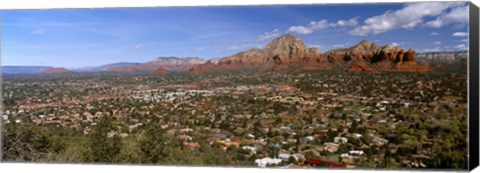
column 152, row 144
column 25, row 142
column 103, row 146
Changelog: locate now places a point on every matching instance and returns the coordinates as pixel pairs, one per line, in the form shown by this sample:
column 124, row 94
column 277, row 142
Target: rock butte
column 55, row 71
column 290, row 53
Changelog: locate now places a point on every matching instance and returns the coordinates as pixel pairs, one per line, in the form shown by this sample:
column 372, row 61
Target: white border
column 51, row 4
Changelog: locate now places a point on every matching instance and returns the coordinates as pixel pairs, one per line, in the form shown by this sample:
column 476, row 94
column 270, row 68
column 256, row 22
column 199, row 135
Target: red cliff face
column 360, row 67
column 290, row 53
column 56, row 71
column 284, row 53
column 384, row 58
column 161, row 71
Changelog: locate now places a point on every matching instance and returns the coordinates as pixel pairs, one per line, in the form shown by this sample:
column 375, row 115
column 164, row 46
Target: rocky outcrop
column 442, row 59
column 57, row 70
column 360, row 67
column 171, row 63
column 445, row 61
column 290, row 53
column 161, row 71
column 383, row 58
column 283, row 53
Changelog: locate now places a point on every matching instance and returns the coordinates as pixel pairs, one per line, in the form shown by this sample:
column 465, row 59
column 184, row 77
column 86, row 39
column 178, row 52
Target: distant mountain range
column 24, row 69
column 104, row 67
column 166, row 63
column 286, row 52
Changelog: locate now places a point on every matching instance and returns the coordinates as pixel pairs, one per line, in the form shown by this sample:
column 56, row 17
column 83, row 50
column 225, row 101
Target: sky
column 75, row 38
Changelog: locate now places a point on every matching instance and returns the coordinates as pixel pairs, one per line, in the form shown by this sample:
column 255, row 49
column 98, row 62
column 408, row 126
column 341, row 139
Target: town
column 271, row 119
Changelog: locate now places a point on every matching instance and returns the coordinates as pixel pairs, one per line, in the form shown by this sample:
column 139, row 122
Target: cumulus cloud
column 300, row 30
column 437, row 43
column 461, row 46
column 268, row 35
column 322, row 24
column 38, row 31
column 316, row 25
column 351, row 22
column 458, row 15
column 139, row 46
column 395, row 44
column 410, row 16
column 460, row 34
column 435, row 33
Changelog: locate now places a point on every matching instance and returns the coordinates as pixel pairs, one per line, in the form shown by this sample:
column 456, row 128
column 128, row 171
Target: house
column 191, row 145
column 340, row 140
column 309, row 138
column 184, row 137
column 379, row 141
column 267, row 161
column 111, row 134
column 285, row 156
column 356, row 152
column 356, row 135
column 331, row 147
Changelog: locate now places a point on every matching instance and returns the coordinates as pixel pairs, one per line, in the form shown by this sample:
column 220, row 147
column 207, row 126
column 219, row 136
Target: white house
column 267, row 161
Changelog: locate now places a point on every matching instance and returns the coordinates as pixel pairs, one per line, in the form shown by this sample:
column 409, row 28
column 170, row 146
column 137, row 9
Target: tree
column 152, row 144
column 25, row 142
column 103, row 146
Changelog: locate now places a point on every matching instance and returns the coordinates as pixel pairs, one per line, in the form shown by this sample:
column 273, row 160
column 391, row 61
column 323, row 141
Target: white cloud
column 38, row 31
column 351, row 22
column 460, row 34
column 139, row 46
column 435, row 33
column 461, row 46
column 437, row 43
column 408, row 17
column 322, row 24
column 300, row 30
column 268, row 35
column 200, row 49
column 457, row 15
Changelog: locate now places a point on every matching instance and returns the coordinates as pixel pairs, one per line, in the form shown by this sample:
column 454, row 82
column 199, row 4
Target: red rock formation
column 360, row 67
column 57, row 70
column 161, row 71
column 290, row 53
column 207, row 67
column 283, row 53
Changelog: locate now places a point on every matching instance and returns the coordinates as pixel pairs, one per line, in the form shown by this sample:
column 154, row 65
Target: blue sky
column 75, row 38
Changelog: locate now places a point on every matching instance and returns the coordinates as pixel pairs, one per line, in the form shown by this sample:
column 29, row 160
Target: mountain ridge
column 288, row 52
